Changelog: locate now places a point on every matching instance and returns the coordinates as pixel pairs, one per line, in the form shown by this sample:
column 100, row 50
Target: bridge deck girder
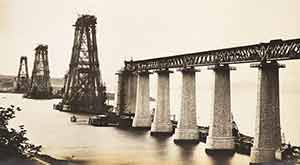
column 274, row 50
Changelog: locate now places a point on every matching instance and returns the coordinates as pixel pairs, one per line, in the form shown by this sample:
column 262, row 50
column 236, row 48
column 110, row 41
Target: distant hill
column 7, row 84
column 7, row 77
column 57, row 82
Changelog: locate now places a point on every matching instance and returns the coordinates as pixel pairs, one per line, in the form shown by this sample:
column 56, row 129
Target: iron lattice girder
column 274, row 50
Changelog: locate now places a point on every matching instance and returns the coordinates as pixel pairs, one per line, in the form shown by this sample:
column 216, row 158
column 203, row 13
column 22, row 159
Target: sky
column 140, row 29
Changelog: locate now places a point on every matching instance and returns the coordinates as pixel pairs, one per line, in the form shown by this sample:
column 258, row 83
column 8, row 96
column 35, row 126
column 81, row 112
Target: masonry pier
column 267, row 127
column 220, row 137
column 142, row 118
column 162, row 123
column 219, row 134
column 126, row 93
column 187, row 130
column 132, row 91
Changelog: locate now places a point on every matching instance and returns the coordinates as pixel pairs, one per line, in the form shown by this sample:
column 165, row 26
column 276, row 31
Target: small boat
column 73, row 118
column 99, row 120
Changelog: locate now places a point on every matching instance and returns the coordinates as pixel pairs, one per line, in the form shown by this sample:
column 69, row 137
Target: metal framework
column 84, row 90
column 274, row 50
column 40, row 86
column 22, row 84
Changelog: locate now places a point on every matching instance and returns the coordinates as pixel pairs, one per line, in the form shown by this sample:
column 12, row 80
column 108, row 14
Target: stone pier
column 131, row 93
column 267, row 127
column 220, row 137
column 120, row 95
column 126, row 92
column 186, row 130
column 162, row 123
column 142, row 118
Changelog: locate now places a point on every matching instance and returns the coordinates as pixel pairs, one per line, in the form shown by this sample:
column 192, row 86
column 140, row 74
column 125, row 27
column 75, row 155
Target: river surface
column 102, row 145
column 108, row 145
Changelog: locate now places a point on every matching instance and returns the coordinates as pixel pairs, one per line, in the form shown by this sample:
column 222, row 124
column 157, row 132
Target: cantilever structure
column 84, row 90
column 40, row 85
column 23, row 77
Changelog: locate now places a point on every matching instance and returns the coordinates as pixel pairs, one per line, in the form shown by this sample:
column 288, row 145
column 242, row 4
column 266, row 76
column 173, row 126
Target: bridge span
column 274, row 50
column 133, row 95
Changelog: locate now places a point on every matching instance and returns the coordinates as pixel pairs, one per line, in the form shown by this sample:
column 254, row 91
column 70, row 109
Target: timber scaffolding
column 84, row 90
column 40, row 85
column 22, row 80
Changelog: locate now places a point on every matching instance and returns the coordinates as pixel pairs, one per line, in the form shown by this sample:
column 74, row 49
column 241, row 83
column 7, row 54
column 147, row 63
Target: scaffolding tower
column 22, row 80
column 84, row 90
column 40, row 85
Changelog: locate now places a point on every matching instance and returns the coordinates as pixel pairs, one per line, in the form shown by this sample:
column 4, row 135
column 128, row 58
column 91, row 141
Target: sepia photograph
column 139, row 82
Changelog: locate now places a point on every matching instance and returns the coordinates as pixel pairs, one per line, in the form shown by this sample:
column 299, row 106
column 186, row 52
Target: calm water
column 107, row 145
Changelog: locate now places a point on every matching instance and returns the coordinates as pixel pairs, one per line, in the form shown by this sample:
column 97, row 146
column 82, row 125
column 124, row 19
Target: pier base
column 142, row 118
column 187, row 130
column 186, row 135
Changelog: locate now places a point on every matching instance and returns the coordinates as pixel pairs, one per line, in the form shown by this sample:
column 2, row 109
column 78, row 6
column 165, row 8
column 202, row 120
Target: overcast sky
column 140, row 29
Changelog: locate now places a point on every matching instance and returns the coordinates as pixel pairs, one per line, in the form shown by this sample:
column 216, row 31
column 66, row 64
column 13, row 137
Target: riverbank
column 47, row 160
column 41, row 160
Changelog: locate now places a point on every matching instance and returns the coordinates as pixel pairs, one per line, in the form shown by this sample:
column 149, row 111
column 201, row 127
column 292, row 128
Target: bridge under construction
column 40, row 85
column 133, row 95
column 22, row 80
column 84, row 90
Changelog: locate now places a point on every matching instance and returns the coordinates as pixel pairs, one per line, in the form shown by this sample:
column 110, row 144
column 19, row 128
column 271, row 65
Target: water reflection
column 220, row 159
column 132, row 132
column 104, row 145
column 161, row 146
column 186, row 152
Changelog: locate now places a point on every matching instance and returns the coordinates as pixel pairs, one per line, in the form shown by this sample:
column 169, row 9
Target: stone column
column 142, row 118
column 267, row 126
column 187, row 126
column 220, row 137
column 131, row 93
column 276, row 104
column 162, row 123
column 120, row 95
column 126, row 92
